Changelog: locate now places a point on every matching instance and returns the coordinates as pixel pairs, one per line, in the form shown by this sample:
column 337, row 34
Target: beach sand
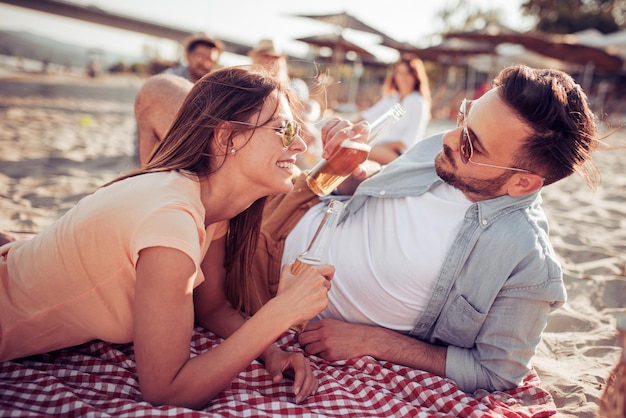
column 62, row 137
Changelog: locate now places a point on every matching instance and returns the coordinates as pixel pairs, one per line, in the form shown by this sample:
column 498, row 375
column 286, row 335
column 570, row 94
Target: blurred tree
column 569, row 16
column 464, row 15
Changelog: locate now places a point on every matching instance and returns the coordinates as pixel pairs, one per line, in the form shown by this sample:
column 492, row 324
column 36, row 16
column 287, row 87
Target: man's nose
column 451, row 138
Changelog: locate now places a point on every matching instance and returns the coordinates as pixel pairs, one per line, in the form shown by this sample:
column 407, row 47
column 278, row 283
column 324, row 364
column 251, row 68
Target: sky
column 246, row 21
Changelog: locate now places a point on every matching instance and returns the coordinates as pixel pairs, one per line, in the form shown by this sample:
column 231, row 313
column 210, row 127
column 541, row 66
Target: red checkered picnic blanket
column 99, row 379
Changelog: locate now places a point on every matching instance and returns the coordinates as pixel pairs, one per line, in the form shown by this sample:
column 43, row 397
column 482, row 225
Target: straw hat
column 265, row 47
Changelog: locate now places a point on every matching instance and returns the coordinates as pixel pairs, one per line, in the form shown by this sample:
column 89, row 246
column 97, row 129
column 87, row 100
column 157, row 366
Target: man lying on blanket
column 443, row 262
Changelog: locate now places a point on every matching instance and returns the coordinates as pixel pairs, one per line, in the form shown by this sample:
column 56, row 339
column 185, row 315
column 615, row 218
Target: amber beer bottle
column 317, row 252
column 613, row 400
column 330, row 173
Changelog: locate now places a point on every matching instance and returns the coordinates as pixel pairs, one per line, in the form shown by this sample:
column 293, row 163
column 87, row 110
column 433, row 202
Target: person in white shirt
column 408, row 85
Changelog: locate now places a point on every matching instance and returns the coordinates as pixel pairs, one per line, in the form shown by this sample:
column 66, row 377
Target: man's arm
column 362, row 172
column 156, row 105
column 337, row 340
column 387, row 152
column 498, row 359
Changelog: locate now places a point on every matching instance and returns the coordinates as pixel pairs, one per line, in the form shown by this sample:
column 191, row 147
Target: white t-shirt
column 387, row 255
column 411, row 127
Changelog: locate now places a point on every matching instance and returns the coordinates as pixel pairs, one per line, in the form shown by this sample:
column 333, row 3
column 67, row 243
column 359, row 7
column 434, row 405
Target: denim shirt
column 498, row 282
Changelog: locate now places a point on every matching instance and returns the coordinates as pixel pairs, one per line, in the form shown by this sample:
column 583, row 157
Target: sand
column 61, row 137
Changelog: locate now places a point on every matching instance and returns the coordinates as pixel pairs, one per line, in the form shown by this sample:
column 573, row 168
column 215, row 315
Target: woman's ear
column 525, row 183
column 223, row 139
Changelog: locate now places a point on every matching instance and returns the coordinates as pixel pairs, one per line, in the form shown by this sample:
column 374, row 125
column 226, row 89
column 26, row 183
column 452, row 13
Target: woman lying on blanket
column 138, row 258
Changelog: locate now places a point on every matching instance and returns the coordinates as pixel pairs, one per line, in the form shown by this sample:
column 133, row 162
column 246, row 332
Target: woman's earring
column 233, row 151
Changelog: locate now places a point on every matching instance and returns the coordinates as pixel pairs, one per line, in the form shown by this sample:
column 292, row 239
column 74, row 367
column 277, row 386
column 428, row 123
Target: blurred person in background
column 408, row 85
column 156, row 104
column 266, row 55
column 309, row 112
column 201, row 53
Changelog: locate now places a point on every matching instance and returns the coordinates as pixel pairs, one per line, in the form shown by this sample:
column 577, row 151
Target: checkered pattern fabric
column 99, row 380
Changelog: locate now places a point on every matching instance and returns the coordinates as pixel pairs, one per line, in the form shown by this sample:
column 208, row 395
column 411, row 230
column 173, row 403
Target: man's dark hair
column 557, row 110
column 193, row 41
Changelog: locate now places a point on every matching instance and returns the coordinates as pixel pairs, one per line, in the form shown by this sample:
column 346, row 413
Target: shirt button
column 382, row 193
column 484, row 222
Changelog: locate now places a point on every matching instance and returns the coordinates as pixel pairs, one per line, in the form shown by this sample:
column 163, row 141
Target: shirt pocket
column 459, row 324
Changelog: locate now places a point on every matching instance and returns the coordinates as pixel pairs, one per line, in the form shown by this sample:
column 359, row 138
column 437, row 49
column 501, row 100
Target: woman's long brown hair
column 417, row 69
column 228, row 94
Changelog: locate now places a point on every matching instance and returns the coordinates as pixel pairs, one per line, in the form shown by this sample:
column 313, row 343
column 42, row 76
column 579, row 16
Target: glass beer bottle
column 613, row 400
column 330, row 173
column 317, row 252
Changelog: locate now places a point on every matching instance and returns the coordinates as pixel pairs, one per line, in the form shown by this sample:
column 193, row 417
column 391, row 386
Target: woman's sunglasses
column 289, row 132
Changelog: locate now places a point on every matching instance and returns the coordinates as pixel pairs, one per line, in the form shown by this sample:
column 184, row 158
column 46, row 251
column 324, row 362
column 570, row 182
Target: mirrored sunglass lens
column 463, row 151
column 290, row 133
column 460, row 116
column 467, row 145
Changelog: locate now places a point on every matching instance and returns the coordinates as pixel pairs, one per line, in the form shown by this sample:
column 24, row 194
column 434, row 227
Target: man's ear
column 524, row 183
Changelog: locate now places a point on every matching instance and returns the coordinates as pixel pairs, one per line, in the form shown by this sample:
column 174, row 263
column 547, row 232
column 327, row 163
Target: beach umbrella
column 337, row 43
column 93, row 14
column 560, row 47
column 344, row 21
column 340, row 46
column 446, row 51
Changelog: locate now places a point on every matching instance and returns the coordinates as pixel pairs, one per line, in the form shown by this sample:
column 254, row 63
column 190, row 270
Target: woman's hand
column 305, row 294
column 336, row 130
column 279, row 363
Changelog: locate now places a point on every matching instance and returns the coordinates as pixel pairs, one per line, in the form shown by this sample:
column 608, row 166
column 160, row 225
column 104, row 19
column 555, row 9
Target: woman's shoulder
column 414, row 96
column 391, row 98
column 380, row 106
column 178, row 184
column 415, row 102
column 157, row 188
column 168, row 179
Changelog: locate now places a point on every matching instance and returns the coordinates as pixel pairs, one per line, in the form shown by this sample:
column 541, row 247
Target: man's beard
column 479, row 189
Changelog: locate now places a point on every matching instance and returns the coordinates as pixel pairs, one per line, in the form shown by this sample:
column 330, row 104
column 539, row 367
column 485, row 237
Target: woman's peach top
column 75, row 281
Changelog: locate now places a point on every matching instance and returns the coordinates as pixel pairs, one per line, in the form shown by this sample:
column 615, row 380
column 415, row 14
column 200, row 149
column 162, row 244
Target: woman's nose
column 299, row 145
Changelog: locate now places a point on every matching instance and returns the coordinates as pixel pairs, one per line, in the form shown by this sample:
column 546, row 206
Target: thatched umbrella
column 340, row 46
column 337, row 43
column 560, row 47
column 444, row 52
column 344, row 21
